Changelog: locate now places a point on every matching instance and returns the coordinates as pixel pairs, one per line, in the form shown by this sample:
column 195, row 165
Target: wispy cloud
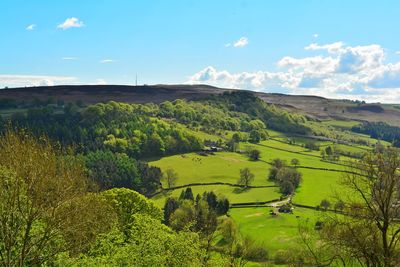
column 30, row 27
column 69, row 58
column 315, row 35
column 71, row 23
column 106, row 61
column 242, row 42
column 32, row 80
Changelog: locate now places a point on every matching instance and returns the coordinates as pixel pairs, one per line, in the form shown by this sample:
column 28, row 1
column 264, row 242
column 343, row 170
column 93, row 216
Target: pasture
column 274, row 232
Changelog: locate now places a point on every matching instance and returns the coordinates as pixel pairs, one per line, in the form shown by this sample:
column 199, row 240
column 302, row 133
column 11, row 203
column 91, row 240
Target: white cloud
column 32, row 80
column 397, row 52
column 331, row 48
column 69, row 58
column 356, row 72
column 101, row 82
column 105, row 61
column 30, row 27
column 71, row 23
column 315, row 35
column 243, row 41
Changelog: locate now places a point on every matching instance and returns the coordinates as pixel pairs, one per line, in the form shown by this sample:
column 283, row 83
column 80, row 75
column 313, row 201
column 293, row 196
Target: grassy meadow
column 275, row 232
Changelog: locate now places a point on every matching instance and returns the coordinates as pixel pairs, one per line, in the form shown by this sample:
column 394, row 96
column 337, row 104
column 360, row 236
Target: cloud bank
column 33, row 80
column 335, row 70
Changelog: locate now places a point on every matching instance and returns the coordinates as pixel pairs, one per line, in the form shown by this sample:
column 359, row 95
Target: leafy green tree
column 40, row 192
column 126, row 203
column 325, row 204
column 150, row 243
column 278, row 163
column 254, row 154
column 170, row 177
column 295, row 162
column 255, row 136
column 150, row 178
column 370, row 235
column 110, row 170
column 222, row 206
column 183, row 218
column 188, row 194
column 287, row 187
column 272, row 174
column 211, row 199
column 171, row 204
column 340, row 205
column 246, row 177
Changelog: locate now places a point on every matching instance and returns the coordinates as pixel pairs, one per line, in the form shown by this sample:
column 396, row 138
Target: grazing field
column 220, row 167
column 271, row 149
column 320, row 180
column 275, row 232
column 317, row 184
column 341, row 124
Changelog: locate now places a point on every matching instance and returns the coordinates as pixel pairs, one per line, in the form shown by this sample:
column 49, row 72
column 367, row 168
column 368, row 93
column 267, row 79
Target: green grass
column 341, row 124
column 270, row 149
column 317, row 185
column 221, row 167
column 275, row 232
column 225, row 167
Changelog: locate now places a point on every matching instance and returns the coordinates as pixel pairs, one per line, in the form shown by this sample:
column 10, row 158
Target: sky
column 336, row 49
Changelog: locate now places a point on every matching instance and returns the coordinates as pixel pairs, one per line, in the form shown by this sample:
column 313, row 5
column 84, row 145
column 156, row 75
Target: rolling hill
column 313, row 106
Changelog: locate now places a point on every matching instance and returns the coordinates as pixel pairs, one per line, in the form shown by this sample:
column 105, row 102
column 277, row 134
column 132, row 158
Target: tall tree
column 170, row 177
column 246, row 177
column 41, row 192
column 370, row 232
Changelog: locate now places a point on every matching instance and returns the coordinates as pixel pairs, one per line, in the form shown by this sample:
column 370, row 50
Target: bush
column 254, row 154
column 280, row 257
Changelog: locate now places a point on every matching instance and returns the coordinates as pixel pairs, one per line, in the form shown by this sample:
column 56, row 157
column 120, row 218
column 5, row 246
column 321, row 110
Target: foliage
column 370, row 232
column 288, row 178
column 170, row 176
column 246, row 177
column 40, row 193
column 254, row 154
column 118, row 127
column 126, row 202
column 150, row 244
column 380, row 130
column 110, row 170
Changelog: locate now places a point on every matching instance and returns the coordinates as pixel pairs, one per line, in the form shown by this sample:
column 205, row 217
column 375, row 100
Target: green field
column 225, row 167
column 221, row 167
column 275, row 232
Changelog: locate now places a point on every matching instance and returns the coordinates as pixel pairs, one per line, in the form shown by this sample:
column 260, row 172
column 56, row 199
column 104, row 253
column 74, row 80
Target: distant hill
column 314, row 106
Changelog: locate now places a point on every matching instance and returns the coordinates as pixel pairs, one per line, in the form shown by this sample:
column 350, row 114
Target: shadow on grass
column 239, row 190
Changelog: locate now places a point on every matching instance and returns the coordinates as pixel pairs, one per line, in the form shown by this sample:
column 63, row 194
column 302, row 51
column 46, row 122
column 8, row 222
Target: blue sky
column 330, row 48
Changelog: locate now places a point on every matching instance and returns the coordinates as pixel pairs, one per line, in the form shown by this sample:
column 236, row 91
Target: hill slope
column 318, row 107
